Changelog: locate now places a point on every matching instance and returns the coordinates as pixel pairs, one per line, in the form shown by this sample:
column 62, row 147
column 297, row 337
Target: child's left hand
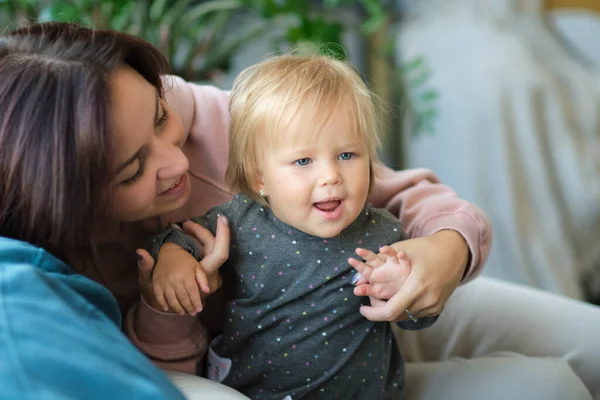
column 381, row 275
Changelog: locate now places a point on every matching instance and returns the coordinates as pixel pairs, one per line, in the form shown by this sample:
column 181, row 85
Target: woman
column 103, row 164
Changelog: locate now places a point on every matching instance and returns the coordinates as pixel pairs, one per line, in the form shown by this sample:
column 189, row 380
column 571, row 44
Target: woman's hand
column 216, row 252
column 438, row 263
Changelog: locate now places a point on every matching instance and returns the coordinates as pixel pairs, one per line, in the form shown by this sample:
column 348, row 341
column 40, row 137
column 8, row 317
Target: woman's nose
column 173, row 162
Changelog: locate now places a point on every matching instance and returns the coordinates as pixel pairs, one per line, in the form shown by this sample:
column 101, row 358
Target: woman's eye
column 346, row 156
column 139, row 172
column 134, row 178
column 303, row 162
column 163, row 118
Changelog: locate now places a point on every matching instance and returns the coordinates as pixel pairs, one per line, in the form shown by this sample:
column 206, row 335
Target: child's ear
column 259, row 185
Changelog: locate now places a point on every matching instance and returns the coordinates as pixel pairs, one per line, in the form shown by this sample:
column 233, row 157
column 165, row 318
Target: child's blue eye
column 346, row 156
column 303, row 162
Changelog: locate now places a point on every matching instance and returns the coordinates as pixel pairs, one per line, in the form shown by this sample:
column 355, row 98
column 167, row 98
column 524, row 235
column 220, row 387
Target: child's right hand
column 175, row 280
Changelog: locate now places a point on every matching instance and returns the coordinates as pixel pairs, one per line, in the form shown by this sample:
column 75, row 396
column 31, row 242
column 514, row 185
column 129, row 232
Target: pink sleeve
column 204, row 112
column 425, row 206
column 173, row 342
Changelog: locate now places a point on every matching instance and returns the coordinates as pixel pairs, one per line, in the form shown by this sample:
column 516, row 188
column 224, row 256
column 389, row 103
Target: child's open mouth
column 330, row 209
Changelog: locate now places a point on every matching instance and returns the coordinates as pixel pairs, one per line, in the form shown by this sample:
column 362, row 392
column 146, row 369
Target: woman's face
column 151, row 169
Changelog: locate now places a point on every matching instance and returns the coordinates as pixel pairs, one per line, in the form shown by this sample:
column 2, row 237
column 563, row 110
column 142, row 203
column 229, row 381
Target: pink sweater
column 423, row 205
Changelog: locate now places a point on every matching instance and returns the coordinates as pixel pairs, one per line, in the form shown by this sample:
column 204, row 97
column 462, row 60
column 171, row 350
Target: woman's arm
column 425, row 206
column 450, row 241
column 172, row 341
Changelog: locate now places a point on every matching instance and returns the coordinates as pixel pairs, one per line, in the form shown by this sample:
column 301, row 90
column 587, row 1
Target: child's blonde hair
column 270, row 93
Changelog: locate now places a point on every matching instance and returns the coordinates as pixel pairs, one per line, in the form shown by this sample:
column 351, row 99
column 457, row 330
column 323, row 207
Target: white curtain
column 502, row 112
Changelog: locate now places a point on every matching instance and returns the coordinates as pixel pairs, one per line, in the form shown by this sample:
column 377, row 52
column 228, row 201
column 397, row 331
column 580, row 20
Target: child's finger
column 220, row 252
column 173, row 301
column 364, row 269
column 202, row 279
column 184, row 298
column 363, row 290
column 194, row 295
column 387, row 250
column 368, row 256
column 159, row 295
column 381, row 292
column 201, row 234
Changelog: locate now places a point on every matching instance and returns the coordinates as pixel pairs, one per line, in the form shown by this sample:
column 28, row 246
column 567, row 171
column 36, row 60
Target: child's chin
column 328, row 234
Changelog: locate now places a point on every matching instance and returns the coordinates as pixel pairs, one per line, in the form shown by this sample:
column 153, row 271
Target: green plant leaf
column 203, row 9
column 268, row 9
column 229, row 48
column 157, row 9
column 175, row 12
column 376, row 16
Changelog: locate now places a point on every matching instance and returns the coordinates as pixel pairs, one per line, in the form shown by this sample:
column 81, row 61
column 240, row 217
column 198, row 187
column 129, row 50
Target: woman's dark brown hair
column 55, row 129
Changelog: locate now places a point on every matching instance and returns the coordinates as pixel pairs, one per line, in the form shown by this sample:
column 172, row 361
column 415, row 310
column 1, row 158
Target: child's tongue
column 327, row 205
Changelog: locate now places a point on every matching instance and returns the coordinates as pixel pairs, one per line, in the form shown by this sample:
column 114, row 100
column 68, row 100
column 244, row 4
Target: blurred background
column 500, row 98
